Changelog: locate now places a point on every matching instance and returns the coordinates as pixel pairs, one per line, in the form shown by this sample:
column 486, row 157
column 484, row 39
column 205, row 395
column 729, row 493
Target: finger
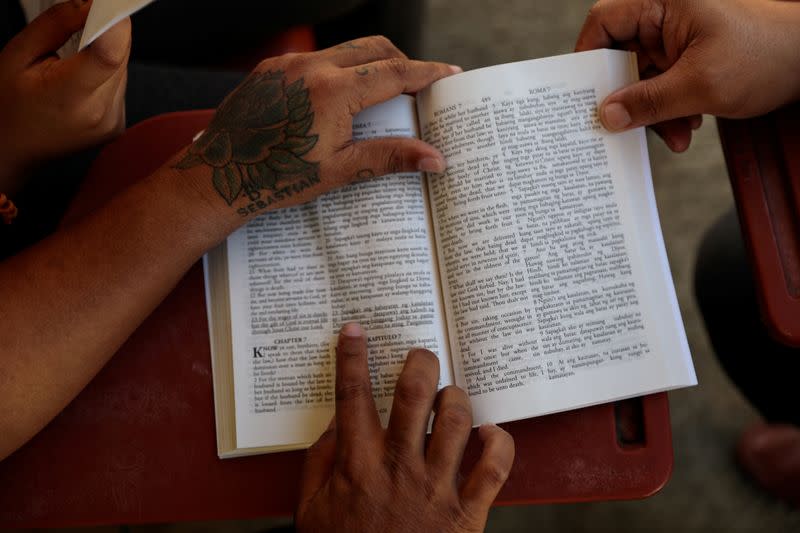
column 319, row 462
column 360, row 51
column 101, row 112
column 382, row 80
column 356, row 417
column 490, row 472
column 695, row 121
column 673, row 94
column 100, row 61
column 613, row 21
column 676, row 133
column 451, row 427
column 377, row 157
column 413, row 400
column 48, row 32
column 114, row 121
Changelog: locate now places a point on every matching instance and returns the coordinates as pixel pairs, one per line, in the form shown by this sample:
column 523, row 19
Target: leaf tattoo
column 257, row 138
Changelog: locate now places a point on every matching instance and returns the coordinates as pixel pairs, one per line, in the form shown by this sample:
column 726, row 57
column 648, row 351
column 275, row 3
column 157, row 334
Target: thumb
column 377, row 157
column 102, row 59
column 672, row 94
column 49, row 31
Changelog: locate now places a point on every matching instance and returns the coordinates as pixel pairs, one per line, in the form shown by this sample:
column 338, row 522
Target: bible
column 534, row 267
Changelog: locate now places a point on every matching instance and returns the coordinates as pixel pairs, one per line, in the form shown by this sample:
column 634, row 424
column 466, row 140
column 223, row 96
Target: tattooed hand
column 284, row 136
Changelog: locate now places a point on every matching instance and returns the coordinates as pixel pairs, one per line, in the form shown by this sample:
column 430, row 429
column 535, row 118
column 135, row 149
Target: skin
column 70, row 301
column 360, row 477
column 60, row 106
column 729, row 58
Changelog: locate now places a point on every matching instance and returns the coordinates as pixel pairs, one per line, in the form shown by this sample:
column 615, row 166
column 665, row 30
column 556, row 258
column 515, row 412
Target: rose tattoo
column 257, row 138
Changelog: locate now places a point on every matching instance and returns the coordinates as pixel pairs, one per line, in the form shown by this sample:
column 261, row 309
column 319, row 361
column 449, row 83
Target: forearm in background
column 69, row 302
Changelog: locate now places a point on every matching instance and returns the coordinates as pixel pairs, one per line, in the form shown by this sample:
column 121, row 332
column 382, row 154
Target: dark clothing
column 766, row 371
column 155, row 90
column 12, row 19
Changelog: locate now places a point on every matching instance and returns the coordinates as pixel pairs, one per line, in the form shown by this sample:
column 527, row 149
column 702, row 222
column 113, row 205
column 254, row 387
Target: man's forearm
column 282, row 138
column 69, row 302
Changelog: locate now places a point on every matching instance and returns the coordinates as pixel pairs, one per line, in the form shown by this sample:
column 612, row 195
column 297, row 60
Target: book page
column 102, row 16
column 556, row 284
column 363, row 253
column 106, row 13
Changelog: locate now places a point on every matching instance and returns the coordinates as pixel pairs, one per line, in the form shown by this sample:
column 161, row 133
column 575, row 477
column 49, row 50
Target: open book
column 534, row 267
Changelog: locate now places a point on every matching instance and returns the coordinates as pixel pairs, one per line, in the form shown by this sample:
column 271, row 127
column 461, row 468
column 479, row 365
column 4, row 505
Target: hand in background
column 51, row 106
column 285, row 136
column 360, row 477
column 730, row 58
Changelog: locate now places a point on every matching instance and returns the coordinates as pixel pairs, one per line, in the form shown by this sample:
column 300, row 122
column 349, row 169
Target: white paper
column 106, row 13
column 34, row 8
column 556, row 284
column 296, row 275
column 102, row 16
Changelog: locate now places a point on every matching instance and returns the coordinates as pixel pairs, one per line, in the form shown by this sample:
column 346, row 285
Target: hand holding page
column 106, row 13
column 102, row 16
column 34, row 8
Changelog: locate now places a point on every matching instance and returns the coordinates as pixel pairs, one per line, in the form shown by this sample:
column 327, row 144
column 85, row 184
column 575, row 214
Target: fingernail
column 432, row 164
column 485, row 429
column 352, row 329
column 616, row 117
column 455, row 69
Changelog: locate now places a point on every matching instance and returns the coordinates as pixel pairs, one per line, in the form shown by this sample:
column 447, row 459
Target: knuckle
column 596, row 10
column 716, row 90
column 651, row 100
column 294, row 61
column 394, row 161
column 506, row 441
column 350, row 391
column 397, row 66
column 381, row 43
column 430, row 489
column 453, row 394
column 354, row 103
column 495, row 473
column 111, row 57
column 349, row 157
column 94, row 116
column 400, row 463
column 351, row 474
column 327, row 81
column 458, row 516
column 454, row 417
column 413, row 389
